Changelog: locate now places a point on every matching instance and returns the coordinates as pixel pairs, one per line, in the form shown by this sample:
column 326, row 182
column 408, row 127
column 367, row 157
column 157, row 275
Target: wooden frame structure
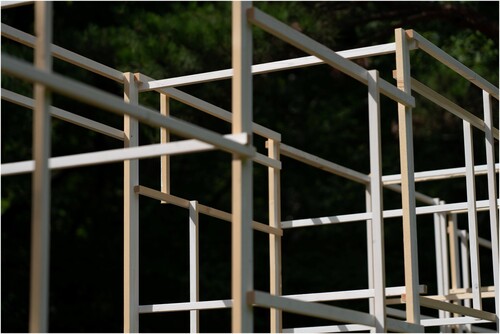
column 457, row 251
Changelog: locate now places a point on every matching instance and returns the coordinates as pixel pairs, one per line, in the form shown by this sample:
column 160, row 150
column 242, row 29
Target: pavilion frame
column 239, row 144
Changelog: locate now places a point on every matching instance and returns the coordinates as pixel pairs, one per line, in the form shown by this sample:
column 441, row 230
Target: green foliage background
column 317, row 109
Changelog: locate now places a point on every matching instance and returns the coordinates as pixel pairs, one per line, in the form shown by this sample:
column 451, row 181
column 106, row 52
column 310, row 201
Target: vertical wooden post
column 131, row 214
column 492, row 195
column 377, row 238
column 242, row 169
column 407, row 181
column 439, row 257
column 193, row 265
column 456, row 281
column 273, row 147
column 464, row 250
column 441, row 250
column 497, row 291
column 40, row 214
column 369, row 251
column 444, row 251
column 445, row 260
column 472, row 216
column 165, row 138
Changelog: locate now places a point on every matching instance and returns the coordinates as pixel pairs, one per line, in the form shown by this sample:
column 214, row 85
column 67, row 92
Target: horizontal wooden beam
column 206, row 210
column 280, row 65
column 121, row 154
column 437, row 174
column 428, row 321
column 339, row 170
column 357, row 217
column 461, row 296
column 434, row 51
column 262, row 299
column 328, row 312
column 208, row 108
column 418, row 195
column 351, row 294
column 323, row 164
column 12, row 4
column 64, row 115
column 468, row 290
column 454, row 308
column 450, row 106
column 107, row 101
column 188, row 306
column 329, row 329
column 63, row 54
column 452, row 321
column 330, row 57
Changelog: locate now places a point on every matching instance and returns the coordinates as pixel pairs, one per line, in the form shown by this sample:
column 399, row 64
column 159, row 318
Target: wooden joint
column 251, row 297
column 250, row 14
column 413, row 44
column 248, row 138
column 393, row 301
column 409, row 33
column 137, row 77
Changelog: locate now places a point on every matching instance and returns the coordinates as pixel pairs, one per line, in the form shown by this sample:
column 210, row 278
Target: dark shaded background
column 317, row 109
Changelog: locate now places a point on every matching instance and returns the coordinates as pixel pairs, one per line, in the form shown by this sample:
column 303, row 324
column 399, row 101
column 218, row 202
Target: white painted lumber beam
column 492, row 196
column 461, row 296
column 377, row 206
column 63, row 54
column 418, row 196
column 303, row 42
column 194, row 266
column 468, row 290
column 470, row 181
column 327, row 312
column 114, row 104
column 340, row 170
column 227, row 303
column 323, row 164
column 329, row 329
column 203, row 209
column 116, row 155
column 438, row 174
column 450, row 106
column 64, row 115
column 350, row 294
column 421, row 210
column 270, row 67
column 317, row 310
column 454, row 308
column 209, row 108
column 188, row 306
column 434, row 51
column 12, row 4
column 452, row 321
column 428, row 321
